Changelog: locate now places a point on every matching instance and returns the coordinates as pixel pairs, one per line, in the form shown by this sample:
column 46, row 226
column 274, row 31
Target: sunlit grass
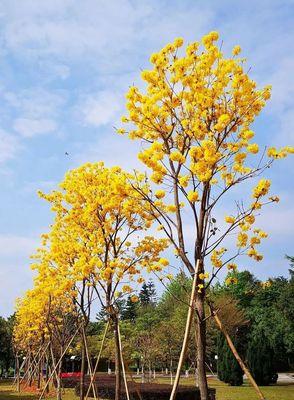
column 224, row 392
column 244, row 392
column 8, row 392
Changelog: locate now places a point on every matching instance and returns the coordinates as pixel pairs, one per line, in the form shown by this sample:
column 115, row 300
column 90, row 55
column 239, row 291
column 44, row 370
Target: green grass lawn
column 7, row 392
column 244, row 392
column 224, row 392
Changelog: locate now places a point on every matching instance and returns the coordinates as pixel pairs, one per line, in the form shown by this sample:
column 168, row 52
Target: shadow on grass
column 7, row 392
column 10, row 394
column 283, row 384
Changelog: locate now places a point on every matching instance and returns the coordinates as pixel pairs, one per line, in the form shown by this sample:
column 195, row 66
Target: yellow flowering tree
column 98, row 239
column 59, row 263
column 42, row 328
column 194, row 119
column 30, row 324
column 64, row 290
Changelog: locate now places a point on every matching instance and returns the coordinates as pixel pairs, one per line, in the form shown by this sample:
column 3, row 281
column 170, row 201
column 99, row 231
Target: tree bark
column 186, row 336
column 59, row 361
column 82, row 378
column 30, row 370
column 17, row 374
column 90, row 371
column 58, row 394
column 92, row 383
column 39, row 372
column 57, row 372
column 47, row 375
column 122, row 363
column 201, row 346
column 118, row 362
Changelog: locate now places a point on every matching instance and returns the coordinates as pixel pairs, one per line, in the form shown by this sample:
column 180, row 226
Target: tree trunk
column 47, row 374
column 201, row 345
column 150, row 371
column 122, row 364
column 39, row 372
column 118, row 363
column 58, row 394
column 89, row 361
column 82, row 378
column 57, row 372
column 186, row 336
column 17, row 374
column 92, row 383
column 30, row 370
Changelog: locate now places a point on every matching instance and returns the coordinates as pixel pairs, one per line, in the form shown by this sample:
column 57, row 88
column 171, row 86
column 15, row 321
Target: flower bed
column 69, row 375
column 70, row 380
column 141, row 391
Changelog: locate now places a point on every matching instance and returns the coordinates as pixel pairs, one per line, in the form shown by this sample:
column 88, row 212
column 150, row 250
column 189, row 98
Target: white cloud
column 15, row 274
column 69, row 29
column 33, row 111
column 35, row 102
column 28, row 127
column 15, row 244
column 34, row 186
column 54, row 70
column 8, row 146
column 111, row 148
column 16, row 278
column 101, row 109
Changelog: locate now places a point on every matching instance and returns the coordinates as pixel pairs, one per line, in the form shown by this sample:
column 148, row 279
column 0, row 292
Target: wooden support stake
column 17, row 379
column 30, row 369
column 17, row 374
column 186, row 335
column 97, row 361
column 57, row 364
column 88, row 359
column 36, row 364
column 238, row 358
column 57, row 377
column 122, row 363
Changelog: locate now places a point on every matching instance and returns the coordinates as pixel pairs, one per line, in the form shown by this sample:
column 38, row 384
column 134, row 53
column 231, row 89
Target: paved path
column 286, row 377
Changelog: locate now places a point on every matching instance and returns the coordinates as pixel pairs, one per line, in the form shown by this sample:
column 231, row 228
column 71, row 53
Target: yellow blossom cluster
column 255, row 240
column 196, row 113
column 193, row 196
column 281, row 153
column 194, row 118
column 231, row 280
column 98, row 215
column 216, row 256
column 203, row 276
column 232, row 266
column 266, row 284
column 261, row 188
column 96, row 243
column 39, row 313
column 244, row 241
column 229, row 219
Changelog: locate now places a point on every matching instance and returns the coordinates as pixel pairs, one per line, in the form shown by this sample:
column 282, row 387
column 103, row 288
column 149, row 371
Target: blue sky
column 64, row 69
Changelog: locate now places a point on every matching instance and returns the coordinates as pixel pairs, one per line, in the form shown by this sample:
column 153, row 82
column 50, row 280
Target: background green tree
column 6, row 345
